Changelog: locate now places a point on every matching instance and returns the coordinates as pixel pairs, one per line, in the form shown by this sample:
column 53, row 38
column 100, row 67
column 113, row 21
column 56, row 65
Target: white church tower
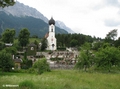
column 51, row 40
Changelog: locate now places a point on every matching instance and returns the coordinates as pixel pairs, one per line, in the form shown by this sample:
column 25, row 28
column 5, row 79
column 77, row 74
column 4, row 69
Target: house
column 18, row 62
column 32, row 49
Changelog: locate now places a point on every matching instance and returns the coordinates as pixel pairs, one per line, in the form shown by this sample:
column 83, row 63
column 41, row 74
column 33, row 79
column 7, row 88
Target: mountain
column 36, row 26
column 21, row 10
column 63, row 26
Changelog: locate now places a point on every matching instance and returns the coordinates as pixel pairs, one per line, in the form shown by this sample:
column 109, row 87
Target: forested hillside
column 36, row 26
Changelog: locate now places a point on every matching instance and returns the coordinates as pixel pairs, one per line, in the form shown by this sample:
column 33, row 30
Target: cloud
column 112, row 2
column 91, row 17
column 112, row 23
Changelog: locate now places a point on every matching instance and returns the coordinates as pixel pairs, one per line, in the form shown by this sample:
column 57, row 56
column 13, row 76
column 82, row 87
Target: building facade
column 51, row 40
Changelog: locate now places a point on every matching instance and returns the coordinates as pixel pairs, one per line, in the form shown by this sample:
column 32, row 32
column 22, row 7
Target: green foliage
column 68, row 40
column 73, row 43
column 26, row 84
column 85, row 57
column 61, row 48
column 110, row 37
column 8, row 36
column 6, row 62
column 44, row 44
column 23, row 37
column 83, row 61
column 97, row 45
column 11, row 50
column 26, row 64
column 2, row 45
column 117, row 42
column 6, row 3
column 107, row 58
column 29, row 63
column 36, row 43
column 32, row 70
column 41, row 65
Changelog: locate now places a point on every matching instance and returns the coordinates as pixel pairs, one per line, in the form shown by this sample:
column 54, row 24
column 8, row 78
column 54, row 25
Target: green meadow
column 60, row 79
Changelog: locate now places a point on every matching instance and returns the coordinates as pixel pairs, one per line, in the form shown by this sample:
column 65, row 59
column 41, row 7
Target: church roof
column 51, row 21
column 46, row 35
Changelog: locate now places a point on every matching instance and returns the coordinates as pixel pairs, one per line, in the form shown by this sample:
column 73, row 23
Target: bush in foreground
column 42, row 66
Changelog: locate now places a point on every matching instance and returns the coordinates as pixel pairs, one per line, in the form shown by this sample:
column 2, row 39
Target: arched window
column 32, row 48
column 51, row 28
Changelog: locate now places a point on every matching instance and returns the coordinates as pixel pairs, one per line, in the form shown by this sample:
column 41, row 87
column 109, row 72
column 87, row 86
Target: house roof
column 17, row 60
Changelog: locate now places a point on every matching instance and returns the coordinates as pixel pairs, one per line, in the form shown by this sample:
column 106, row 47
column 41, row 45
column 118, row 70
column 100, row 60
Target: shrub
column 61, row 49
column 41, row 65
column 32, row 70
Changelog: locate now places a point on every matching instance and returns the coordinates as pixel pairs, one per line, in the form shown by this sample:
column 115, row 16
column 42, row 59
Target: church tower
column 51, row 40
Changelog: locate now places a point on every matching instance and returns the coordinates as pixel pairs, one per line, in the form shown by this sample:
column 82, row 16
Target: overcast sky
column 90, row 17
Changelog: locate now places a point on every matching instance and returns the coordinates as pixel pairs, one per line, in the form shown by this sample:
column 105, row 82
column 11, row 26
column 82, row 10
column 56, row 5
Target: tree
column 44, row 44
column 108, row 57
column 117, row 42
column 6, row 62
column 110, row 37
column 42, row 66
column 8, row 36
column 11, row 50
column 36, row 43
column 73, row 43
column 2, row 45
column 97, row 45
column 23, row 37
column 6, row 3
column 84, row 59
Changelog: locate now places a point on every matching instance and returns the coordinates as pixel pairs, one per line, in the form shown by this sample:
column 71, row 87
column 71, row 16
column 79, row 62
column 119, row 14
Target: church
column 50, row 36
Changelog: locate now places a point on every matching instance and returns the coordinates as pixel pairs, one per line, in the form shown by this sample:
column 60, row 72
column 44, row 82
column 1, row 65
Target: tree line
column 74, row 40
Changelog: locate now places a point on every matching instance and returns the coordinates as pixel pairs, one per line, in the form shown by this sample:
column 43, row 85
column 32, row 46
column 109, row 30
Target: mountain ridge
column 21, row 10
column 35, row 26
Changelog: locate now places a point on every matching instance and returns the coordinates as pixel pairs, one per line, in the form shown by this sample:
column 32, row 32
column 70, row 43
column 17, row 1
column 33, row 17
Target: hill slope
column 36, row 26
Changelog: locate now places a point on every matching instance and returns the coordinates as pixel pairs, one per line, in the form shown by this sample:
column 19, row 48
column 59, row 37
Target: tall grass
column 64, row 79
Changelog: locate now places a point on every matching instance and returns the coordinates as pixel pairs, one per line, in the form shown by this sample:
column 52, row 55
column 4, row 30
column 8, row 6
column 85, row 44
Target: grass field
column 61, row 79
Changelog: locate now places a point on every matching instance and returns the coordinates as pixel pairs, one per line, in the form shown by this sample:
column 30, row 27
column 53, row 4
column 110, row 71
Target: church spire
column 51, row 21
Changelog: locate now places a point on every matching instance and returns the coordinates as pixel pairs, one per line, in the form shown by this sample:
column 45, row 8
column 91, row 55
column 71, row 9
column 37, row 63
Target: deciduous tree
column 110, row 37
column 84, row 59
column 8, row 36
column 6, row 62
column 23, row 37
column 108, row 57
